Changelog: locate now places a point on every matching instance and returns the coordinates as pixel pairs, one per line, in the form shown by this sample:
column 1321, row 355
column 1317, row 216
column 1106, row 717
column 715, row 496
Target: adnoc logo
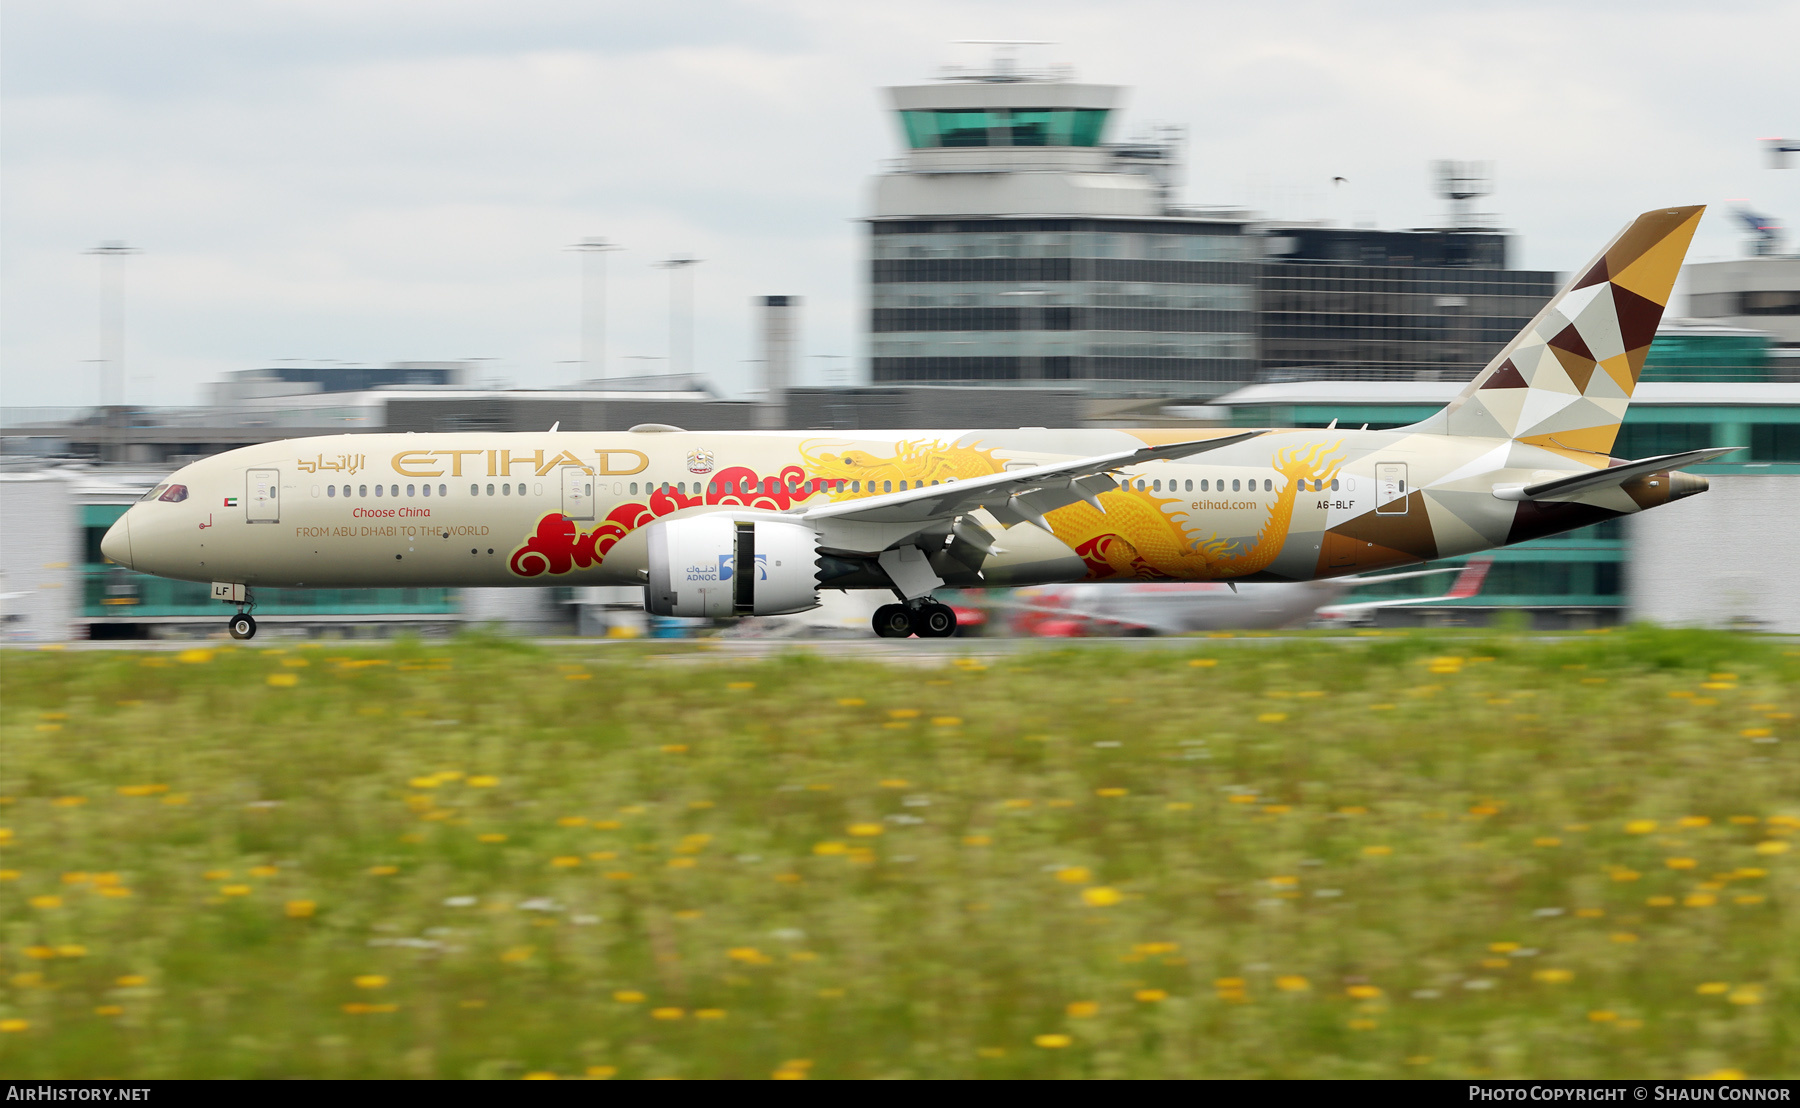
column 728, row 566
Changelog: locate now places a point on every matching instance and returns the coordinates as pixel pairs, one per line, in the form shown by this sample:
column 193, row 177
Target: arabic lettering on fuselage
column 343, row 463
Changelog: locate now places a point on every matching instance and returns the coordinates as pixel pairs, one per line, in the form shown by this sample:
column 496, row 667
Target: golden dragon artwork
column 1137, row 537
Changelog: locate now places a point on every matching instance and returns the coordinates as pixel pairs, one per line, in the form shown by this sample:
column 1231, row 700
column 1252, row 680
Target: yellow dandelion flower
column 864, row 830
column 1680, row 863
column 12, row 1026
column 1659, row 901
column 518, row 954
column 1747, row 898
column 490, row 837
column 284, row 680
column 369, row 981
column 1203, row 663
column 1602, row 1016
column 572, row 821
column 1178, row 806
column 1150, row 996
column 1623, row 937
column 1052, row 1042
column 1553, row 976
column 69, row 801
column 629, row 996
column 1693, row 821
column 1292, row 983
column 383, row 871
column 1377, row 851
column 1100, row 896
column 194, row 657
column 1112, row 791
column 71, row 950
column 851, row 702
column 1284, row 881
column 740, row 685
column 1700, row 900
column 1640, row 827
column 40, row 952
column 1620, row 873
column 667, row 1013
column 830, row 847
column 1369, row 1024
column 1712, row 988
column 903, row 713
column 602, row 1072
column 1590, row 913
column 1745, row 994
column 1772, row 846
column 483, row 781
column 1074, row 875
column 977, row 840
column 946, row 721
column 539, row 1075
column 255, row 871
column 1082, row 1009
column 109, row 1010
column 46, row 902
column 1271, row 717
column 565, row 861
column 1363, row 992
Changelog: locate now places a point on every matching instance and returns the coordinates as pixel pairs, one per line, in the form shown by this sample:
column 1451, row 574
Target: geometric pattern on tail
column 1564, row 382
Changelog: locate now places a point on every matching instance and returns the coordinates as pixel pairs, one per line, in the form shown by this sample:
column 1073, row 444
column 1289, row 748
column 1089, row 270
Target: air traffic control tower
column 1014, row 241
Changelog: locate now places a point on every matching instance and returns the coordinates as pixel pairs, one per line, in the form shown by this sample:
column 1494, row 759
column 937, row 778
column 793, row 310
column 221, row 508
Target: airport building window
column 1003, row 127
column 1774, row 442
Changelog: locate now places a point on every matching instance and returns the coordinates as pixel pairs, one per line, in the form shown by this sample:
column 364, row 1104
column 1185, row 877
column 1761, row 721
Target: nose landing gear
column 926, row 618
column 242, row 626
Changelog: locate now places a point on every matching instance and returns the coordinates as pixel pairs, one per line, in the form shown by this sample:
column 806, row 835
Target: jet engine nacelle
column 717, row 565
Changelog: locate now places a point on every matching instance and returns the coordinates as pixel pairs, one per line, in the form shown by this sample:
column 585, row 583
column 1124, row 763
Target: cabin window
column 474, row 490
column 1268, row 485
column 887, row 486
column 409, row 492
column 634, row 488
column 1156, row 485
column 362, row 491
column 506, row 489
column 490, row 491
column 537, row 488
column 1234, row 484
column 377, row 490
column 712, row 488
column 1334, row 484
column 1190, row 486
column 330, row 490
column 426, row 489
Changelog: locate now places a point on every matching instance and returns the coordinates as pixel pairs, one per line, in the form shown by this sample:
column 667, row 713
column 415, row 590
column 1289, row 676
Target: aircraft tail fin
column 1565, row 381
column 1468, row 582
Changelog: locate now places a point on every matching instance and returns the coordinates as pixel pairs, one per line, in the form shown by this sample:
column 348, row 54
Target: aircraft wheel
column 242, row 627
column 934, row 621
column 892, row 621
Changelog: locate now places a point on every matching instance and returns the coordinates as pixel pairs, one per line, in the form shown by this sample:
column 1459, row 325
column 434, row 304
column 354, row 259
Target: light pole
column 1031, row 366
column 681, row 306
column 112, row 257
column 593, row 304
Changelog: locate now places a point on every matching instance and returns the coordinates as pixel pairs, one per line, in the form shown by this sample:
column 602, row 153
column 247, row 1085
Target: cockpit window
column 153, row 493
column 174, row 494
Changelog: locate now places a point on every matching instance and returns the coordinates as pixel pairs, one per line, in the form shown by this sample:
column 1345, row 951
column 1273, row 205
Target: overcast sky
column 381, row 180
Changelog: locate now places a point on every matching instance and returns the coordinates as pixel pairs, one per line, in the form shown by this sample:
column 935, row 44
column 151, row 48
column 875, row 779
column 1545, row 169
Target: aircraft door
column 1390, row 488
column 577, row 493
column 262, row 496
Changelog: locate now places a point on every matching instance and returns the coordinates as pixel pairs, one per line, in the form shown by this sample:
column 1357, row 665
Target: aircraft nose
column 117, row 543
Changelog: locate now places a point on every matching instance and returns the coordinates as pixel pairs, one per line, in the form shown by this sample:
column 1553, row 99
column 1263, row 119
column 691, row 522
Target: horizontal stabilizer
column 1562, row 488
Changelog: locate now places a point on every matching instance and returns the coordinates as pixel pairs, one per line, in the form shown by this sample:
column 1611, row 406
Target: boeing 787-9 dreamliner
column 744, row 523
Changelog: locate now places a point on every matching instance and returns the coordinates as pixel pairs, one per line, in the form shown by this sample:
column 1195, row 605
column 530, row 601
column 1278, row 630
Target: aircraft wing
column 1466, row 585
column 1565, row 487
column 1014, row 497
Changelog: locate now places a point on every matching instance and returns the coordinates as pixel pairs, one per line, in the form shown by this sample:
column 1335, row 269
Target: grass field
column 1393, row 856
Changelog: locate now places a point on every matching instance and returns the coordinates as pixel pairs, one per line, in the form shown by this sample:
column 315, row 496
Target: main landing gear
column 927, row 618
